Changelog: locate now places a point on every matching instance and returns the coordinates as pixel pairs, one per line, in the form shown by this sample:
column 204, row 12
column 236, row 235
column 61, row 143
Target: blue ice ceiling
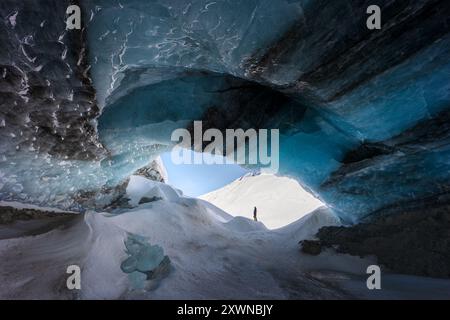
column 363, row 114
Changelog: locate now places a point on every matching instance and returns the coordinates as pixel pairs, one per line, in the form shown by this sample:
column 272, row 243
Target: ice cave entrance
column 237, row 190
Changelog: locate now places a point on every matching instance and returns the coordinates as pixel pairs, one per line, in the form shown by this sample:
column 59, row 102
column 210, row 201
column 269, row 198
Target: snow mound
column 279, row 200
column 241, row 224
column 140, row 187
column 309, row 225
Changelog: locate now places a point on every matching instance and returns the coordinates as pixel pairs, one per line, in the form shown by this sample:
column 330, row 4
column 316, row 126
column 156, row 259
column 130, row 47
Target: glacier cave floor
column 213, row 256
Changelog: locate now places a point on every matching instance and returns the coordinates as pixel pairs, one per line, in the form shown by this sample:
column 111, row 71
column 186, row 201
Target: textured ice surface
column 310, row 68
column 347, row 86
column 143, row 260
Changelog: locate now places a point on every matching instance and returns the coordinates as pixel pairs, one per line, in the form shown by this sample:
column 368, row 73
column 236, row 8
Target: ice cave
column 364, row 149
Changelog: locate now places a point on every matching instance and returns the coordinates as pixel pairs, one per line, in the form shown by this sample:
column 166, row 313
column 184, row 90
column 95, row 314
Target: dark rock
column 148, row 200
column 120, row 202
column 16, row 223
column 311, row 247
column 10, row 215
column 413, row 241
column 366, row 151
column 107, row 198
column 153, row 172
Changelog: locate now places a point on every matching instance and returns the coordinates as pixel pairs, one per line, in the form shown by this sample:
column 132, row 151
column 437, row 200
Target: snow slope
column 213, row 256
column 279, row 200
column 140, row 187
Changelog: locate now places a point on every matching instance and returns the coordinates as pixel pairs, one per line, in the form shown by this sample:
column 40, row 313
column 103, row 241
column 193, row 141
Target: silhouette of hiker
column 255, row 214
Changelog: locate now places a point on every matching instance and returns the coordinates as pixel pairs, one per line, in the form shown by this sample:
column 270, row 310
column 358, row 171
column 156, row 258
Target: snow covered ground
column 213, row 256
column 279, row 200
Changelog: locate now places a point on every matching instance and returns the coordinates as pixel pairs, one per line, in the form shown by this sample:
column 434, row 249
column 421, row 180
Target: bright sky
column 197, row 179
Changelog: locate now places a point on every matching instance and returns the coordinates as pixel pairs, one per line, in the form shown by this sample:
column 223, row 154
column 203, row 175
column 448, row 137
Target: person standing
column 255, row 214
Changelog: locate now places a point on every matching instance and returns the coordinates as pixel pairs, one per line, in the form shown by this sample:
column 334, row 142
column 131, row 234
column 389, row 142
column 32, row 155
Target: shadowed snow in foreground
column 212, row 256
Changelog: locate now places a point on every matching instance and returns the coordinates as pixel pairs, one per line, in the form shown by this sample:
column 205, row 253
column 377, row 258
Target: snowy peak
column 279, row 200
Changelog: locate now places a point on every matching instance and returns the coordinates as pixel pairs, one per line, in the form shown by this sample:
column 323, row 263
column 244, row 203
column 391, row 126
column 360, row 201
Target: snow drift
column 212, row 254
column 184, row 248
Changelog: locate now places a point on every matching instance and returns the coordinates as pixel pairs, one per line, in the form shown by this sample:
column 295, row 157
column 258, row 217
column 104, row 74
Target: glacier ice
column 144, row 261
column 363, row 115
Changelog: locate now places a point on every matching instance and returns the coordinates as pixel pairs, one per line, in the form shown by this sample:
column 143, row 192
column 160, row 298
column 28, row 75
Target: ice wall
column 363, row 114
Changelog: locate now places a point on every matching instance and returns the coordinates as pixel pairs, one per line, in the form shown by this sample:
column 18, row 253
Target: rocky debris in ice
column 148, row 200
column 107, row 198
column 112, row 198
column 155, row 171
column 17, row 220
column 19, row 205
column 311, row 247
column 9, row 215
